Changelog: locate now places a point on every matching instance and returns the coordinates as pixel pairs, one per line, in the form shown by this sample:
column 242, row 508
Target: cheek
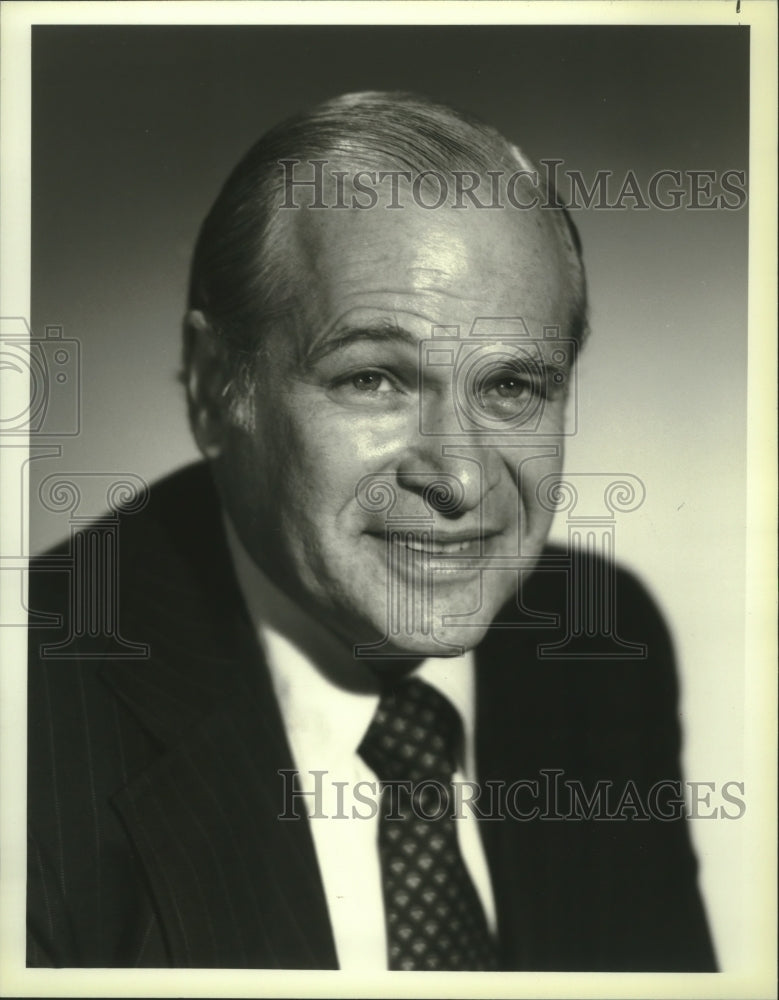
column 541, row 495
column 322, row 460
column 535, row 481
column 336, row 450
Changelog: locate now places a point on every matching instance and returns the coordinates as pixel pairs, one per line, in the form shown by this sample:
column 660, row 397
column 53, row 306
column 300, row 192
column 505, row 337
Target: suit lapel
column 231, row 881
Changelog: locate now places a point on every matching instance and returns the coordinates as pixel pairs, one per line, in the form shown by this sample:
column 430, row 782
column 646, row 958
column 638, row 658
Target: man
column 352, row 744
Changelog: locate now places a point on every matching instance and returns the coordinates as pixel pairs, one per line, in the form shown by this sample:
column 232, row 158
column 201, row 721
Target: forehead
column 444, row 265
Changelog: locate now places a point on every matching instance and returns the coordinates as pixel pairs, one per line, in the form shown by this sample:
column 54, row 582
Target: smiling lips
column 449, row 545
column 438, row 548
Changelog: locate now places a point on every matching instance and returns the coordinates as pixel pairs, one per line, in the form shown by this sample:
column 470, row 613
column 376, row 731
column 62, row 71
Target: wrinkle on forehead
column 440, row 259
column 343, row 256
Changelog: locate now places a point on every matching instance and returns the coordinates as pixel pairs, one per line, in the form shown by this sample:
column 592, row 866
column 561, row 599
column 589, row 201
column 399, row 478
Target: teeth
column 439, row 548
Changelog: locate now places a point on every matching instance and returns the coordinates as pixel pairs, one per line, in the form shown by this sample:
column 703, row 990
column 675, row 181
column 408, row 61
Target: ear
column 208, row 381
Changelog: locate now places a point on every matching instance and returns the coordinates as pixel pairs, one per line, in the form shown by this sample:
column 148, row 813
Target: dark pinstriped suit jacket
column 154, row 792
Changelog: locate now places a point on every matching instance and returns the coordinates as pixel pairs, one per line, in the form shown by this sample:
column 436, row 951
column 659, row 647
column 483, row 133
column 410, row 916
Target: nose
column 446, row 471
column 450, row 485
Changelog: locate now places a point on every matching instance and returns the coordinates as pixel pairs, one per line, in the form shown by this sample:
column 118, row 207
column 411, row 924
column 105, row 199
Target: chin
column 416, row 631
column 446, row 641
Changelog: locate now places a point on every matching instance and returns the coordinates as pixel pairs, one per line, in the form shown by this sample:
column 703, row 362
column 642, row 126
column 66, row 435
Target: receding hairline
column 288, row 235
column 353, row 133
column 301, row 241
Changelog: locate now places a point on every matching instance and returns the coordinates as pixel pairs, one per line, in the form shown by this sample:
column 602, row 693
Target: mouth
column 427, row 546
column 436, row 545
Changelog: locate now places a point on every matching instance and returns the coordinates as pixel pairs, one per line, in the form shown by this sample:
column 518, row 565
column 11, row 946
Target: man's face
column 350, row 389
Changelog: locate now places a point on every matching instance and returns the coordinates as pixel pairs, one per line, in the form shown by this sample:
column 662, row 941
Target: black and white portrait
column 379, row 466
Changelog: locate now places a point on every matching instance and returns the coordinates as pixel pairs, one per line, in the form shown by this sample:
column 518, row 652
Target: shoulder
column 595, row 609
column 171, row 529
column 113, row 601
column 118, row 594
column 583, row 648
column 181, row 502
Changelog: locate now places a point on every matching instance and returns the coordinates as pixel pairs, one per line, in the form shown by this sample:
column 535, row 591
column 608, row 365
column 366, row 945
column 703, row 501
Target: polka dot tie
column 433, row 914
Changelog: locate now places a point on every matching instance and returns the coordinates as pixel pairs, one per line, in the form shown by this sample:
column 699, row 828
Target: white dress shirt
column 327, row 705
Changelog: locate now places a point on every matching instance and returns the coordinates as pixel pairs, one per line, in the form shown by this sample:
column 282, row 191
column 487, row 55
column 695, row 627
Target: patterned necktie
column 434, row 917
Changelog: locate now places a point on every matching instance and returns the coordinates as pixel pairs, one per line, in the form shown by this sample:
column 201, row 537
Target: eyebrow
column 382, row 331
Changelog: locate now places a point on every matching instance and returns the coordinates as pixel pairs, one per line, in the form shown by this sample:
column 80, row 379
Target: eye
column 505, row 390
column 510, row 387
column 369, row 382
column 367, row 387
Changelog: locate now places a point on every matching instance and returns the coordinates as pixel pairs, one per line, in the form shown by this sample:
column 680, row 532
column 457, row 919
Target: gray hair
column 238, row 277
